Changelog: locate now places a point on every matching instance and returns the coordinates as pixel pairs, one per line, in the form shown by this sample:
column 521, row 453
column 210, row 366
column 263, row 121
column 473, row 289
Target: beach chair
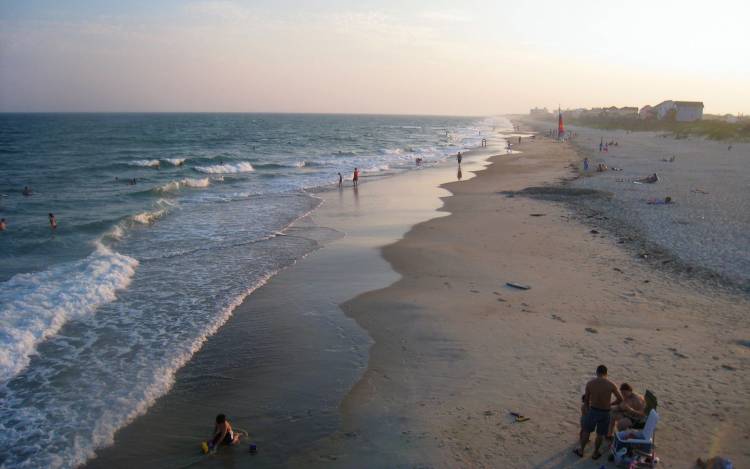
column 637, row 445
column 651, row 404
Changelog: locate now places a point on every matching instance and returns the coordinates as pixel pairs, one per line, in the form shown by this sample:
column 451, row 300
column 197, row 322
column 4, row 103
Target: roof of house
column 689, row 103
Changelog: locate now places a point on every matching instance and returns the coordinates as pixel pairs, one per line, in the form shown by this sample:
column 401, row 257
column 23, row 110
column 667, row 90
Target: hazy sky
column 371, row 56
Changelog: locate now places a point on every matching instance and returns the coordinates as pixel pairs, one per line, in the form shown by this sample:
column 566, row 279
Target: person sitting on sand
column 598, row 406
column 631, row 411
column 223, row 433
column 601, row 167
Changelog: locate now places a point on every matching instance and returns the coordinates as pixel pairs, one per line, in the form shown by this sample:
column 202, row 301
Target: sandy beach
column 455, row 350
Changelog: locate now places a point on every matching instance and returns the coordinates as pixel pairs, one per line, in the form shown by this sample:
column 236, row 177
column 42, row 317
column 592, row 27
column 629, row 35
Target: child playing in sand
column 223, row 433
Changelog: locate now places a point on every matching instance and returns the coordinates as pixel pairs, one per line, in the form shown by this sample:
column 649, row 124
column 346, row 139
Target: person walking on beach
column 459, row 157
column 355, row 177
column 585, row 164
column 52, row 221
column 598, row 406
column 341, row 180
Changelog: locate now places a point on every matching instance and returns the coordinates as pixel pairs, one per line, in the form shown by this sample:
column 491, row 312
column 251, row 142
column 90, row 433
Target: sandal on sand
column 596, row 456
column 578, row 452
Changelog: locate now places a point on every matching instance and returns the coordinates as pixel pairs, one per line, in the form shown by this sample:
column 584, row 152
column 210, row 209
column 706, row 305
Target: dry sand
column 455, row 349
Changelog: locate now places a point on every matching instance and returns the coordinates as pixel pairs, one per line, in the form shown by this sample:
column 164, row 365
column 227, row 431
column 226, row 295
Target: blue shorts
column 596, row 419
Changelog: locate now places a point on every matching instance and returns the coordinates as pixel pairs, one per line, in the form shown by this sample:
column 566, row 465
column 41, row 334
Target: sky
column 371, row 56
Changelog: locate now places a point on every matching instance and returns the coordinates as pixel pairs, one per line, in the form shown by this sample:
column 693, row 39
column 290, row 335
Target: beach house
column 680, row 111
column 647, row 112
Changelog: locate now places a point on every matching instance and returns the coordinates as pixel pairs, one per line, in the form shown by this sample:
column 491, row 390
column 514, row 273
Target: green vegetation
column 711, row 129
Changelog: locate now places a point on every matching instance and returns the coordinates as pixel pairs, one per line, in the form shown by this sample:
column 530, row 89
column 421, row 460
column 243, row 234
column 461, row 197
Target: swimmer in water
column 3, row 226
column 52, row 221
column 26, row 191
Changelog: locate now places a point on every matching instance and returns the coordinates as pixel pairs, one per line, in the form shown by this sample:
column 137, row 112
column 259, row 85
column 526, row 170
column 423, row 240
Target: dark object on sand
column 717, row 462
column 592, row 330
column 537, row 214
column 518, row 285
column 594, row 232
column 519, row 418
column 648, row 179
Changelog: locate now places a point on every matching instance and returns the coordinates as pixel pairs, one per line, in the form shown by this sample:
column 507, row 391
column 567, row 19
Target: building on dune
column 679, row 111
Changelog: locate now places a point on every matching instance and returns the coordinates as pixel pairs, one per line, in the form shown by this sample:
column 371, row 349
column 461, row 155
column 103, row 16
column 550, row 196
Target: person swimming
column 3, row 226
column 52, row 221
column 27, row 191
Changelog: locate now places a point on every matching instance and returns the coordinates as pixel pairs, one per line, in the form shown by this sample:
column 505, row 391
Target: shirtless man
column 597, row 404
column 630, row 411
column 223, row 433
column 355, row 177
column 2, row 224
column 52, row 221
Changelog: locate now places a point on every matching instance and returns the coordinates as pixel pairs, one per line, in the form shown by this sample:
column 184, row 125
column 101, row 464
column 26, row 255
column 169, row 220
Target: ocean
column 166, row 222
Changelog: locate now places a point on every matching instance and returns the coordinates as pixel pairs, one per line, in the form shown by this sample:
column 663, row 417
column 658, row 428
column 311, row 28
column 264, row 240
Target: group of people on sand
column 602, row 414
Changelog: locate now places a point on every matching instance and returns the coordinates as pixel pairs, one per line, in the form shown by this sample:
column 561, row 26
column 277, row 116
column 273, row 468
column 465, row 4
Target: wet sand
column 455, row 349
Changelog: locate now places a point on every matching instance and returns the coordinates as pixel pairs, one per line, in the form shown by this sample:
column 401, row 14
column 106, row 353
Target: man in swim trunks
column 355, row 177
column 597, row 405
column 223, row 433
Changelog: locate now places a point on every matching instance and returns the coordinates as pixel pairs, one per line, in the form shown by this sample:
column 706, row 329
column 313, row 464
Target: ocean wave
column 175, row 161
column 187, row 182
column 146, row 163
column 35, row 306
column 226, row 168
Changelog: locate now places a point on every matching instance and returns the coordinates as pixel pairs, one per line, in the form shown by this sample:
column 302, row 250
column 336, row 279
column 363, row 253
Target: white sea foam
column 175, row 161
column 187, row 182
column 149, row 217
column 35, row 306
column 227, row 168
column 146, row 163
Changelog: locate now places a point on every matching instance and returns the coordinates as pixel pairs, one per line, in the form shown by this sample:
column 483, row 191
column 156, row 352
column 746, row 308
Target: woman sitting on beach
column 629, row 412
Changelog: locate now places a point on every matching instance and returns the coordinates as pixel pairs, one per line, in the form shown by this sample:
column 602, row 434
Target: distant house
column 680, row 111
column 647, row 112
column 613, row 112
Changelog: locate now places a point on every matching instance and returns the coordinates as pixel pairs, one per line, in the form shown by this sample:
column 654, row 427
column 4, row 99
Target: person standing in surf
column 341, row 180
column 459, row 157
column 355, row 177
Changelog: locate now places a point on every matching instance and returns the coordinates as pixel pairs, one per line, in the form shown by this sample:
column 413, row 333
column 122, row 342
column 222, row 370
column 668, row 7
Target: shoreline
column 292, row 354
column 457, row 350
